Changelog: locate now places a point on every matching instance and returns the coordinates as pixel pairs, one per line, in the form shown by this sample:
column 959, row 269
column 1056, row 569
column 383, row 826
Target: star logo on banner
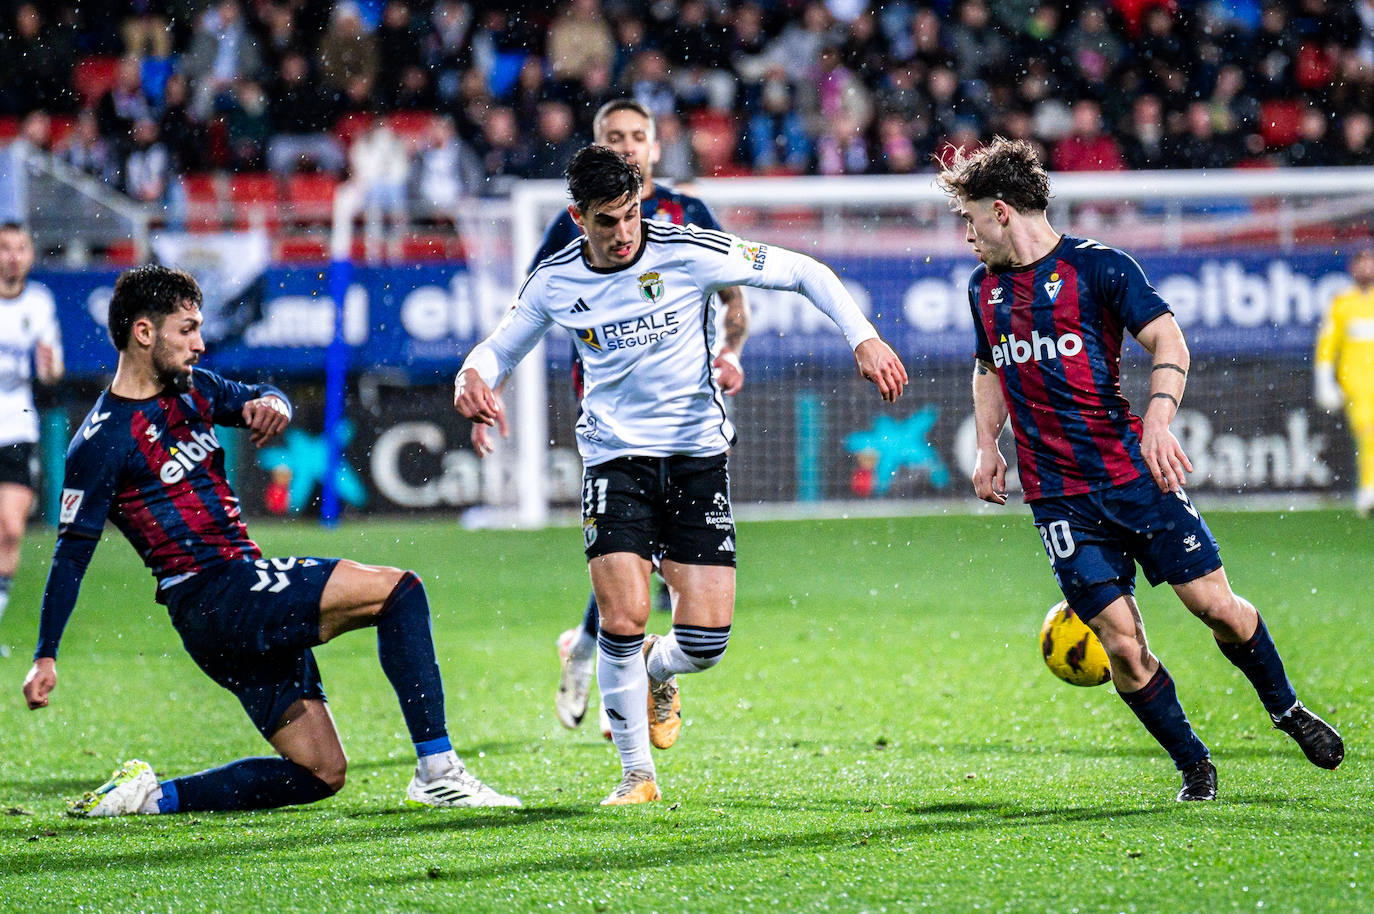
column 901, row 444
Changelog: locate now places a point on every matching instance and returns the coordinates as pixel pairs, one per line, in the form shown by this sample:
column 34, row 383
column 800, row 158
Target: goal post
column 1248, row 259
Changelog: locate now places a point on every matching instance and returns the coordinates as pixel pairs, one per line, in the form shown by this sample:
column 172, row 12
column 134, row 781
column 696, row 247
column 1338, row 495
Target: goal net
column 1248, row 261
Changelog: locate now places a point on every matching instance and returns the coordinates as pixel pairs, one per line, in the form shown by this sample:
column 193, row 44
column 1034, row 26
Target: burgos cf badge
column 1053, row 286
column 650, row 287
column 588, row 336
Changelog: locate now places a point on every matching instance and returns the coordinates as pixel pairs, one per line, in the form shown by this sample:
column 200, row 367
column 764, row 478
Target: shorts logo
column 71, row 503
column 720, row 516
column 266, row 568
column 650, row 287
column 1053, row 286
column 1190, row 543
column 728, row 545
column 588, row 532
column 588, row 337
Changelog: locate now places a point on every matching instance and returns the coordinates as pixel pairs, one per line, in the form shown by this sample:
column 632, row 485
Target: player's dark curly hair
column 599, row 174
column 1006, row 170
column 148, row 291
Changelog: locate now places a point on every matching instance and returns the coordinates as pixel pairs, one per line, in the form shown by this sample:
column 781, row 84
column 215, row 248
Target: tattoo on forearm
column 1169, row 397
column 1179, row 368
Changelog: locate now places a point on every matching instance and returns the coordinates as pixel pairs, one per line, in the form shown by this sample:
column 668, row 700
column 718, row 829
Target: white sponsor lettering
column 308, row 320
column 470, row 306
column 186, row 455
column 1231, row 461
column 1037, row 349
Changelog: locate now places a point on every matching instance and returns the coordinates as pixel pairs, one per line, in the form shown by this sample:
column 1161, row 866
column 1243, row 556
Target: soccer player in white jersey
column 637, row 295
column 30, row 346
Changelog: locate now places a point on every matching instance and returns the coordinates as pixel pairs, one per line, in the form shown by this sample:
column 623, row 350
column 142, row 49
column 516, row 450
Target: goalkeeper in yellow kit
column 1345, row 367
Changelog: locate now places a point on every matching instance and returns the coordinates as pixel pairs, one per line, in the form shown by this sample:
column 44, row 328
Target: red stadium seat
column 302, row 249
column 351, row 126
column 714, row 137
column 1279, row 122
column 9, row 128
column 121, row 254
column 430, row 247
column 310, row 198
column 255, row 199
column 202, row 202
column 93, row 76
column 61, row 126
column 410, row 125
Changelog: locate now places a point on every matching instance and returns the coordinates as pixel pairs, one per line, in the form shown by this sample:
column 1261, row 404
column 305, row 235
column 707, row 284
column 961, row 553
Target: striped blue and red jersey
column 155, row 469
column 1053, row 332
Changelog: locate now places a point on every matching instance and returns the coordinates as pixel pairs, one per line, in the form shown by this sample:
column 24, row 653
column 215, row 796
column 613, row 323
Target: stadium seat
column 411, row 126
column 351, row 126
column 9, row 128
column 61, row 126
column 301, row 249
column 121, row 254
column 1279, row 122
column 93, row 76
column 310, row 198
column 202, row 202
column 255, row 199
column 430, row 247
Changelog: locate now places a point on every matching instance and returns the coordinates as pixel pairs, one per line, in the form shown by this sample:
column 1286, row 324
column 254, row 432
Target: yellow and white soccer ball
column 1071, row 650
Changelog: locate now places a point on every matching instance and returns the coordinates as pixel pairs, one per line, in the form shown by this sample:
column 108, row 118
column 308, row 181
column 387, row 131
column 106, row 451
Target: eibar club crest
column 1053, row 286
column 650, row 287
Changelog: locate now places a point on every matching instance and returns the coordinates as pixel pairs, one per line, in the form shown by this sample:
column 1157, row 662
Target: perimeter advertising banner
column 809, row 429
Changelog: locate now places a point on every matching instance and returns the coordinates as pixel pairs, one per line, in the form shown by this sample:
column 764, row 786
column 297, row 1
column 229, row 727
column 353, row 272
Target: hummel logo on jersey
column 1053, row 286
column 1190, row 543
column 580, row 307
column 1038, row 348
column 96, row 421
column 996, row 296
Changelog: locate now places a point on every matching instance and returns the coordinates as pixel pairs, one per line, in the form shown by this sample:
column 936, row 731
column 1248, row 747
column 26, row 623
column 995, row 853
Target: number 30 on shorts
column 1058, row 539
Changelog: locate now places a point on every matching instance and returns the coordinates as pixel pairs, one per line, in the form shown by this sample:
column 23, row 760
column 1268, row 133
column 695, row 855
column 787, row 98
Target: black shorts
column 17, row 464
column 250, row 626
column 677, row 507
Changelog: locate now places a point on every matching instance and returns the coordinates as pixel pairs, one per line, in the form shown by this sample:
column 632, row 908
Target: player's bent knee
column 333, row 774
column 703, row 647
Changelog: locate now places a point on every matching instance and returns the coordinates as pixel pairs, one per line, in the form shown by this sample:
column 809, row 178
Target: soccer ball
column 1071, row 650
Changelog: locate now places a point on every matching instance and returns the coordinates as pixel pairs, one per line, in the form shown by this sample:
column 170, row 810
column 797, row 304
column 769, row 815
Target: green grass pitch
column 882, row 735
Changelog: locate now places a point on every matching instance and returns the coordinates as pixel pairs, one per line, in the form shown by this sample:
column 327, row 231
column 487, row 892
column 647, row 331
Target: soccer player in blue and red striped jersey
column 148, row 459
column 1105, row 486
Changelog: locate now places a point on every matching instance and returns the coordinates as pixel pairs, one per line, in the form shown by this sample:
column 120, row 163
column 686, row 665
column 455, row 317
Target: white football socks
column 625, row 696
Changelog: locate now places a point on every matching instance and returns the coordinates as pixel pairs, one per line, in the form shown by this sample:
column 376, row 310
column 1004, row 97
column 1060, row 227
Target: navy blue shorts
column 250, row 626
column 1094, row 542
column 677, row 508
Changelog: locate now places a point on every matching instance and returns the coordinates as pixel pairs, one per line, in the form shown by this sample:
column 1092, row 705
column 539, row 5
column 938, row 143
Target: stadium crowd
column 477, row 94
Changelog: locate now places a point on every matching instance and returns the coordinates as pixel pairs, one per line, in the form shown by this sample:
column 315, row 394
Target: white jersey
column 645, row 333
column 27, row 319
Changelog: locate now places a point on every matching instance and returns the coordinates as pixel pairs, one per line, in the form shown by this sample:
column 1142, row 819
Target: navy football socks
column 1259, row 660
column 591, row 620
column 405, row 645
column 1158, row 708
column 250, row 783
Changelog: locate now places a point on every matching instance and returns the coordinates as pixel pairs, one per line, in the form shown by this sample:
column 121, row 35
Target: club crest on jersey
column 1053, row 286
column 185, row 455
column 588, row 337
column 650, row 287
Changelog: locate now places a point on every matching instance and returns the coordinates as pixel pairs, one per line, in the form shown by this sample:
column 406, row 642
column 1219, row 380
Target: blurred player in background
column 638, row 296
column 1344, row 369
column 1105, row 488
column 147, row 459
column 627, row 127
column 30, row 346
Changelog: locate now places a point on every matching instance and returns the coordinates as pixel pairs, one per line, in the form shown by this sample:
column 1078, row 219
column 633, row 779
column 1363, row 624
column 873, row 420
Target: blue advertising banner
column 421, row 320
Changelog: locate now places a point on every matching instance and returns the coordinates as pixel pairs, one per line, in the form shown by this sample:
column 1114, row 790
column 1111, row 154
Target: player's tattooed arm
column 729, row 371
column 1161, row 451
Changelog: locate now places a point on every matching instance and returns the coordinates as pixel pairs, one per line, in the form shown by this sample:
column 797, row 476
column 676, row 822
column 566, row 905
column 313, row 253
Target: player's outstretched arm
column 40, row 682
column 1162, row 453
column 879, row 364
column 475, row 400
column 989, row 416
column 729, row 370
column 265, row 418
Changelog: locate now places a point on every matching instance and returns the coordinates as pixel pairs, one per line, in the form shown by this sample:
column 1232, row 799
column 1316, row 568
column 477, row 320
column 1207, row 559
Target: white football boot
column 574, row 681
column 455, row 788
column 122, row 795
